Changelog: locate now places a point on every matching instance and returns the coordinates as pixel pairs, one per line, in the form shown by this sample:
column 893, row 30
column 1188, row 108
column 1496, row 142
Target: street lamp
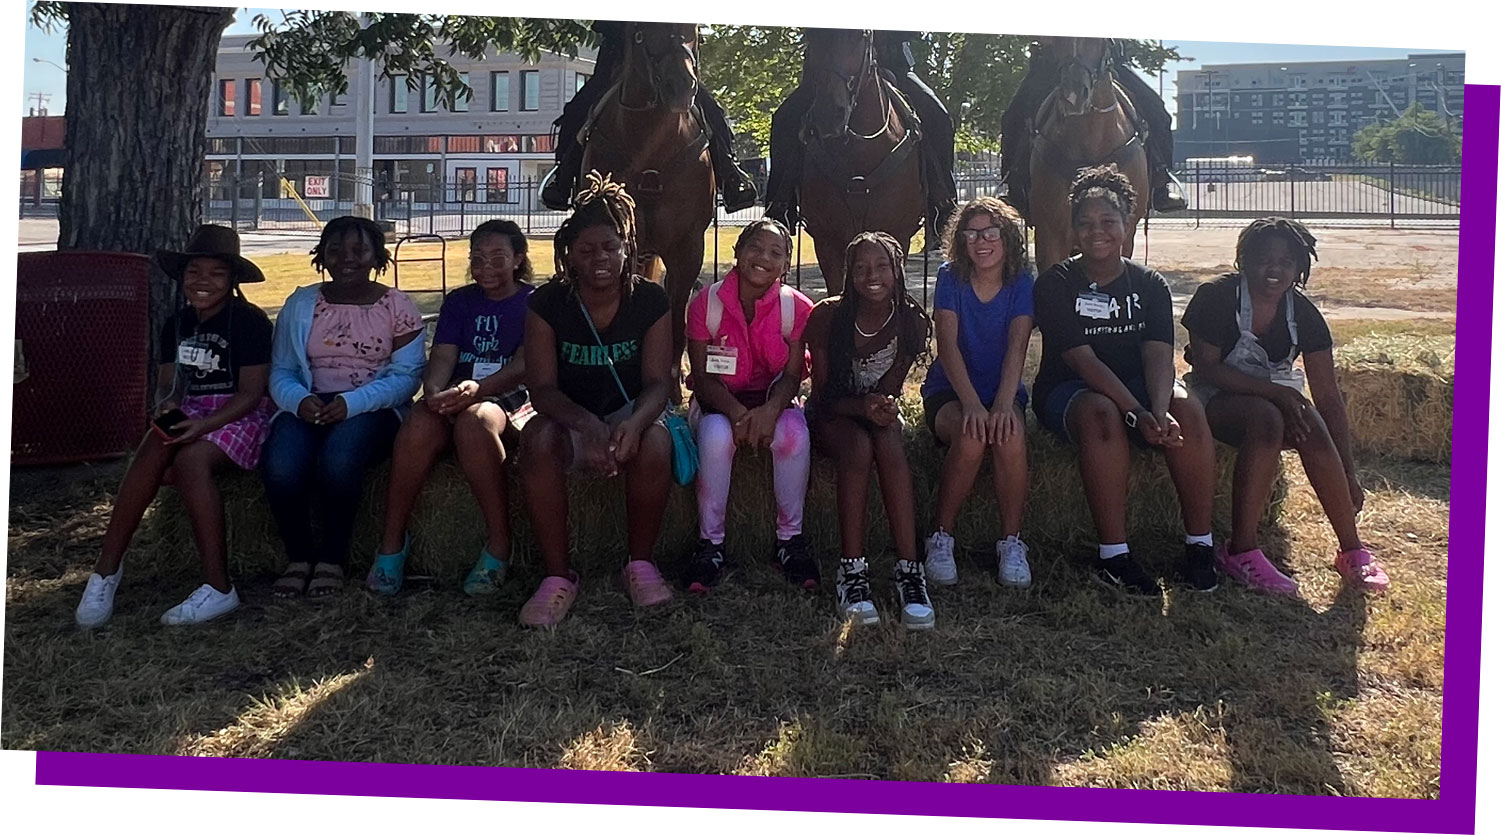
column 53, row 63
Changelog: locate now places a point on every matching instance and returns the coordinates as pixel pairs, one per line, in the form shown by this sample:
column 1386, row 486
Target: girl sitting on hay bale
column 864, row 342
column 212, row 413
column 973, row 397
column 745, row 346
column 347, row 359
column 1106, row 378
column 598, row 366
column 472, row 398
column 1244, row 331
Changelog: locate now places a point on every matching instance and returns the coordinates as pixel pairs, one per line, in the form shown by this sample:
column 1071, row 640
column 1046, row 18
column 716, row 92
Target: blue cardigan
column 292, row 378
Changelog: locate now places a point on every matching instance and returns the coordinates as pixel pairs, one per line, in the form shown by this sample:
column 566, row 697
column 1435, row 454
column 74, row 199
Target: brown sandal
column 293, row 582
column 328, row 580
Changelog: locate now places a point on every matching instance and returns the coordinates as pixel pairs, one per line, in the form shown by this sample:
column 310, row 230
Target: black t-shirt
column 583, row 373
column 1114, row 320
column 210, row 354
column 1213, row 312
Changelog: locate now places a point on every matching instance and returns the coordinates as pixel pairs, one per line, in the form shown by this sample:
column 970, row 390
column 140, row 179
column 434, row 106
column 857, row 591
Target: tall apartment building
column 479, row 147
column 1309, row 111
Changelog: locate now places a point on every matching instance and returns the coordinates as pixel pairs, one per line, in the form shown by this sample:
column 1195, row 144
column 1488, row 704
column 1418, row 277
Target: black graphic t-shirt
column 1114, row 320
column 210, row 354
column 1213, row 316
column 583, row 372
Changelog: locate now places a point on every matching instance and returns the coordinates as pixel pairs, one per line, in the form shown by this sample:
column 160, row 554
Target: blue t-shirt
column 484, row 330
column 983, row 329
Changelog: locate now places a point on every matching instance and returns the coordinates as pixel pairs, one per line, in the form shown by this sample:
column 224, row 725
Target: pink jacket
column 762, row 353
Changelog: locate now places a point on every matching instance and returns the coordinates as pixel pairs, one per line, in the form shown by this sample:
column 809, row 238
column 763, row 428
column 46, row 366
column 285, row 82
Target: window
column 503, row 144
column 497, row 185
column 279, row 99
column 461, row 100
column 1318, row 117
column 338, row 100
column 464, row 144
column 429, row 94
column 1256, row 100
column 1277, row 100
column 408, row 144
column 224, row 145
column 500, row 91
column 579, row 80
column 252, row 97
column 531, row 89
column 399, row 94
column 537, row 144
column 309, row 108
column 227, row 97
column 464, row 185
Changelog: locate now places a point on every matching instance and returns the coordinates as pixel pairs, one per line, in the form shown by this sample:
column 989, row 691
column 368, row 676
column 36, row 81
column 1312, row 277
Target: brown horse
column 861, row 172
column 648, row 136
column 1086, row 120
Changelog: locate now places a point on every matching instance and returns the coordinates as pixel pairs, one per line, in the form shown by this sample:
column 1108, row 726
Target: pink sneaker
column 1361, row 570
column 1255, row 570
column 549, row 605
column 645, row 583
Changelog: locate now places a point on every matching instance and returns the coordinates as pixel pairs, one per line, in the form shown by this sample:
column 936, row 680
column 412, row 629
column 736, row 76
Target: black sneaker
column 852, row 593
column 705, row 567
column 1123, row 573
column 912, row 594
column 1197, row 567
column 796, row 564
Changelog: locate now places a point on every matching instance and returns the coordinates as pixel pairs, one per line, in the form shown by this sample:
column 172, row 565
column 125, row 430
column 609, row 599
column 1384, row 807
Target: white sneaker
column 939, row 564
column 98, row 601
column 912, row 593
column 202, row 606
column 1011, row 554
column 852, row 591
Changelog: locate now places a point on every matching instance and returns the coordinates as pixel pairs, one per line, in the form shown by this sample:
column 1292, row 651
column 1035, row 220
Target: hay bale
column 447, row 532
column 1399, row 392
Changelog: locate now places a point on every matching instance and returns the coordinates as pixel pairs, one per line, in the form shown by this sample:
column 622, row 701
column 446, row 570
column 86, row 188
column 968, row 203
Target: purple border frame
column 1453, row 812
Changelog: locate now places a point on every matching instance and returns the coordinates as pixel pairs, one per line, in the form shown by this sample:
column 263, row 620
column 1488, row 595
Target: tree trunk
column 139, row 86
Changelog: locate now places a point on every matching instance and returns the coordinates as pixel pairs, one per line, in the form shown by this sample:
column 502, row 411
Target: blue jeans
column 302, row 460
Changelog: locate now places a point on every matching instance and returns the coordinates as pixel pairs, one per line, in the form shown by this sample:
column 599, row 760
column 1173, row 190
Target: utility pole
column 364, row 132
column 41, row 100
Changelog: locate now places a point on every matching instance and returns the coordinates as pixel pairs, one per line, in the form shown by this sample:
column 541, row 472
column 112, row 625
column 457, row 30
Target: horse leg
column 683, row 264
column 831, row 262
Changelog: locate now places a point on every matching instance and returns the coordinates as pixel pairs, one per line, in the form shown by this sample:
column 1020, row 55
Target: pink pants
column 790, row 459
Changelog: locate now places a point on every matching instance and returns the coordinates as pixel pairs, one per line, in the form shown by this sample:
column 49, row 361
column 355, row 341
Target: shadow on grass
column 1064, row 684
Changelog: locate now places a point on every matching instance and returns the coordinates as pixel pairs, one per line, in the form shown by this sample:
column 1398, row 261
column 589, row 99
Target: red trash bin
column 82, row 321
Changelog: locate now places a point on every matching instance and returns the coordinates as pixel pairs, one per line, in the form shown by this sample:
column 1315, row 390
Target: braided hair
column 913, row 325
column 602, row 202
column 766, row 224
column 1299, row 241
column 1105, row 182
column 956, row 251
column 336, row 229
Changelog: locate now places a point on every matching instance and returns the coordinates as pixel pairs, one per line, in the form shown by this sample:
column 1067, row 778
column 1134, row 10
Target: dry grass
column 1065, row 684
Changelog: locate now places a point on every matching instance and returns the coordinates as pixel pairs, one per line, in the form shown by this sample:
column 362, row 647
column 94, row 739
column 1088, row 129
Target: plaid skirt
column 241, row 440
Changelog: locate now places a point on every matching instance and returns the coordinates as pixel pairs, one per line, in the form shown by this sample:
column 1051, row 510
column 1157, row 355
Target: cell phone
column 163, row 425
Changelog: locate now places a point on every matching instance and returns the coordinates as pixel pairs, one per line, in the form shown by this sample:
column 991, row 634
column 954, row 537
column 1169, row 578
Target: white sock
column 1108, row 551
column 1204, row 539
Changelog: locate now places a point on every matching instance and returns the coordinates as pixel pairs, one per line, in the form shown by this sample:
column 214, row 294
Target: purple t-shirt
column 983, row 332
column 484, row 330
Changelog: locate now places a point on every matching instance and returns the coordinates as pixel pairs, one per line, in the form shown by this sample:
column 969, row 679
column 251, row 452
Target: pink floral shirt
column 349, row 344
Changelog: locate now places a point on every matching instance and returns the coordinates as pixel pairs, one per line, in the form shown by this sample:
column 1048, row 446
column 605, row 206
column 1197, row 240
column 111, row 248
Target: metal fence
column 1368, row 193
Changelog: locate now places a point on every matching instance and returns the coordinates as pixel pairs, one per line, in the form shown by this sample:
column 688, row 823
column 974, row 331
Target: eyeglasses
column 496, row 263
column 989, row 233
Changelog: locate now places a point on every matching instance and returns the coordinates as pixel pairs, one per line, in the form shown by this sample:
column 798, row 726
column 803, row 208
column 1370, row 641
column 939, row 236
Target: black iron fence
column 1370, row 193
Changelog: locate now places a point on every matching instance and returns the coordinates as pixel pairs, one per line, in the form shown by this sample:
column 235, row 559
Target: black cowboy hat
column 211, row 241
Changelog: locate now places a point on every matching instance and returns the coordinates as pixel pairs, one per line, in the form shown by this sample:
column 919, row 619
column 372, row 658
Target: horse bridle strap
column 638, row 42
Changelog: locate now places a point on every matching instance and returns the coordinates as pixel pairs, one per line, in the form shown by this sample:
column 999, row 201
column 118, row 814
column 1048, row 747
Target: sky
column 49, row 80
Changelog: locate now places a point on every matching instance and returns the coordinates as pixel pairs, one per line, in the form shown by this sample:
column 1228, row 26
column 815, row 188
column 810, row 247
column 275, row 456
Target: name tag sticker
column 485, row 369
column 1093, row 305
column 196, row 356
column 721, row 360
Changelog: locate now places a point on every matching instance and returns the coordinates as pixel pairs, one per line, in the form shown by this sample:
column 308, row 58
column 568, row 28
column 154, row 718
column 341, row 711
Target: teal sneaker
column 388, row 571
column 486, row 575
